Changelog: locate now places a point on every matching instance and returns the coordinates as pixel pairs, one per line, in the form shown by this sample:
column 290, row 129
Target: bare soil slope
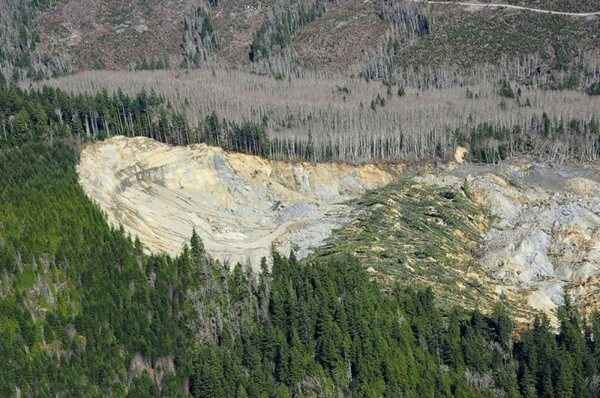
column 240, row 205
column 524, row 230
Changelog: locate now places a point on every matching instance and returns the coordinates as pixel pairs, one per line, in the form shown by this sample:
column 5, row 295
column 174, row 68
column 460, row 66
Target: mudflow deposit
column 544, row 234
column 544, row 221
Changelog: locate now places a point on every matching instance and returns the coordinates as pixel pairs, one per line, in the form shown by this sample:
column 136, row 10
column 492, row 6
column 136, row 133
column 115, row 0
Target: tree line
column 85, row 312
column 50, row 113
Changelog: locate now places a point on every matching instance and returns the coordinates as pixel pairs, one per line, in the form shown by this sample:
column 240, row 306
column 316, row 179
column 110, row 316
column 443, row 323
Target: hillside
column 579, row 6
column 467, row 36
column 170, row 325
column 317, row 118
column 340, row 35
column 240, row 205
column 299, row 198
column 113, row 34
column 525, row 231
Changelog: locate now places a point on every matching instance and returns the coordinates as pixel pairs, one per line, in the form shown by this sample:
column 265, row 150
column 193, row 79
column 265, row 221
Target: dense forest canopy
column 86, row 313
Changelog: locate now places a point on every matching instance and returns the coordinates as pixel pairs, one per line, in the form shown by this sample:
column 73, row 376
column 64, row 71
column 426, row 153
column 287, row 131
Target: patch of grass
column 25, row 281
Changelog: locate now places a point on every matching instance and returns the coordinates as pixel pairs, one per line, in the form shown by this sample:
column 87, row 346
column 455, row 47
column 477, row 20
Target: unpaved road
column 500, row 5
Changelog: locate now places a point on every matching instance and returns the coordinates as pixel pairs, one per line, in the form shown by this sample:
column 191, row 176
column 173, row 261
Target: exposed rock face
column 240, row 205
column 544, row 239
column 540, row 239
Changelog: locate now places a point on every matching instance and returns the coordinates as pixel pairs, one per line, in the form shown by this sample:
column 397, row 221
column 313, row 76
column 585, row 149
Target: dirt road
column 500, row 5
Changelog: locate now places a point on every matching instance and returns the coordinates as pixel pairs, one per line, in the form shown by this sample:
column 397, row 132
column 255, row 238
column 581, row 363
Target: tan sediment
column 239, row 204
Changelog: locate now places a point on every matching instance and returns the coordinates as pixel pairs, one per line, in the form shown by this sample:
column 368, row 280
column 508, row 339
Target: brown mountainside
column 343, row 36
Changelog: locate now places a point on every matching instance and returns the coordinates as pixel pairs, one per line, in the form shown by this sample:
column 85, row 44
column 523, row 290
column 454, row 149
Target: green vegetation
column 86, row 313
column 44, row 38
column 76, row 299
column 594, row 89
column 19, row 40
column 155, row 63
column 247, row 137
column 413, row 232
column 570, row 140
column 286, row 19
column 529, row 47
column 556, row 5
column 408, row 18
column 505, row 89
column 199, row 38
column 50, row 113
column 408, row 21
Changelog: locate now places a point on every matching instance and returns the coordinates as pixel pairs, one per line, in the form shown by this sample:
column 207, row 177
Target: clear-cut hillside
column 240, row 205
column 116, row 34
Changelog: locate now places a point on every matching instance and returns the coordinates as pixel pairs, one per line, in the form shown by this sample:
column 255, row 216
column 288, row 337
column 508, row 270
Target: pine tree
column 503, row 325
column 451, row 346
column 197, row 250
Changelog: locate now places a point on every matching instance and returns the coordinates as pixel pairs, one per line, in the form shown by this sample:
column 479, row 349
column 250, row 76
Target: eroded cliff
column 240, row 205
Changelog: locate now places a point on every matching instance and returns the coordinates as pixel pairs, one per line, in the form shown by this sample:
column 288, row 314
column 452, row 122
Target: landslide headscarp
column 524, row 231
column 240, row 205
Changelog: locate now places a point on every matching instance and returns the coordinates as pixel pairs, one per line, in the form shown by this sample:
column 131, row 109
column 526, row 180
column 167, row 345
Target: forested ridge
column 44, row 38
column 20, row 39
column 86, row 313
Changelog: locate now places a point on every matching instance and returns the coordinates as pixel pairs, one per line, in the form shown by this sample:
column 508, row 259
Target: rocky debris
column 537, row 239
column 460, row 154
column 239, row 204
column 163, row 366
column 583, row 186
column 544, row 238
